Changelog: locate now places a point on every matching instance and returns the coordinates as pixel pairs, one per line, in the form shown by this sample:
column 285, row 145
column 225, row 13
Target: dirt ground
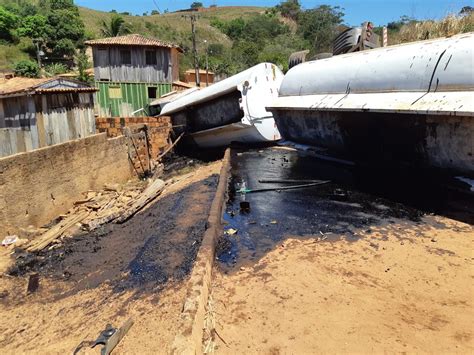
column 403, row 286
column 138, row 270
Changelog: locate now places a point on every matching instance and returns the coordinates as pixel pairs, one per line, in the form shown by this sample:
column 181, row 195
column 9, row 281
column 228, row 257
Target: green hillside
column 173, row 26
column 235, row 38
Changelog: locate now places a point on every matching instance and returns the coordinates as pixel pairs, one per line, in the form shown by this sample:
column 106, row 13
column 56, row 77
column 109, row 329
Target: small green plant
column 27, row 68
column 55, row 69
column 82, row 61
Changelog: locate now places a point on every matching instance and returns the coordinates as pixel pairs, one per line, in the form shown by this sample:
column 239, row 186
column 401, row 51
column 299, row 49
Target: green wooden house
column 131, row 71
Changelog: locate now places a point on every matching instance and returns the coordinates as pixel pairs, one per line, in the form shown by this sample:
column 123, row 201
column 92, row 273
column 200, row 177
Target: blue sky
column 357, row 11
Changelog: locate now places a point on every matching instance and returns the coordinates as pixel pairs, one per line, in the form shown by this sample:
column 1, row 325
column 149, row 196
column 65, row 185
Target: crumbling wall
column 37, row 186
column 158, row 130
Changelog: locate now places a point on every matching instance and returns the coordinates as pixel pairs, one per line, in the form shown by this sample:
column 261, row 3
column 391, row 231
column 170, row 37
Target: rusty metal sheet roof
column 20, row 85
column 132, row 40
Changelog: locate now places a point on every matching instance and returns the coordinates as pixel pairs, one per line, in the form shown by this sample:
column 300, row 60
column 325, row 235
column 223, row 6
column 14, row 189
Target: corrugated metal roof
column 32, row 85
column 131, row 40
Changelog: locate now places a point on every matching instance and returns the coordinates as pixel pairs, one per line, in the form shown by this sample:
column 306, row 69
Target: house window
column 152, row 91
column 125, row 57
column 150, row 57
column 115, row 92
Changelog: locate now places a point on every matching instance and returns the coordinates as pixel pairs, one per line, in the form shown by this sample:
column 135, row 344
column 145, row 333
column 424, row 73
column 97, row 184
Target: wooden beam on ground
column 54, row 233
column 149, row 194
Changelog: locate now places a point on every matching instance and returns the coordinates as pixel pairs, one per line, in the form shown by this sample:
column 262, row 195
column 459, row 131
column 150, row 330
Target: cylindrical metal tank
column 410, row 104
column 231, row 110
column 436, row 65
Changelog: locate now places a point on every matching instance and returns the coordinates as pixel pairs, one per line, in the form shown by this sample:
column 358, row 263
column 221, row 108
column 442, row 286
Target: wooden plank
column 97, row 222
column 55, row 232
column 150, row 193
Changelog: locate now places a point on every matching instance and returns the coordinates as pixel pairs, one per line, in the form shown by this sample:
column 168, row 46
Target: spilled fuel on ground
column 353, row 198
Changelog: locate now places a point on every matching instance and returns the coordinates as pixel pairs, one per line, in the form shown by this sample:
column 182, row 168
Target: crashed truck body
column 232, row 110
column 411, row 104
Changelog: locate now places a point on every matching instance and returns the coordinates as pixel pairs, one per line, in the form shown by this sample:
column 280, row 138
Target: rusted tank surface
column 410, row 104
column 232, row 110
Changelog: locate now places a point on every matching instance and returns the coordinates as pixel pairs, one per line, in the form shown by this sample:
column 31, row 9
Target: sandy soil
column 138, row 269
column 403, row 286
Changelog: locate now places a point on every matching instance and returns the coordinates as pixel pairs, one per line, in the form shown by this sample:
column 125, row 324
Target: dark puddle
column 355, row 199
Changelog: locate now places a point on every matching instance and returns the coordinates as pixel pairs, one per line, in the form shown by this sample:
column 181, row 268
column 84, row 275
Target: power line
column 157, row 7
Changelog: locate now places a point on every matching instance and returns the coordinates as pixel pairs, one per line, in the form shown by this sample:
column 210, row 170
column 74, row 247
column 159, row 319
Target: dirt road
column 403, row 286
column 138, row 269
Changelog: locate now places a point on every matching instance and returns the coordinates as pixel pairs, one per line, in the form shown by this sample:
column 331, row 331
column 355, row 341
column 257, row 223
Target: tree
column 65, row 31
column 289, row 8
column 397, row 25
column 82, row 61
column 115, row 27
column 318, row 26
column 216, row 49
column 27, row 68
column 196, row 5
column 8, row 22
column 63, row 5
column 155, row 12
column 33, row 27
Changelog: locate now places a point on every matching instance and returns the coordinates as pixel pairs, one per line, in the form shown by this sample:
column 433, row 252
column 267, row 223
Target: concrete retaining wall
column 191, row 323
column 37, row 186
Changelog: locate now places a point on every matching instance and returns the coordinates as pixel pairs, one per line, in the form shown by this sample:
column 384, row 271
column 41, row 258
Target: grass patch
column 423, row 30
column 10, row 54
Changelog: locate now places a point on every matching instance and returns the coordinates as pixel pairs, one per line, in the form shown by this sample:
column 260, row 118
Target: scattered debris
column 109, row 338
column 55, row 232
column 246, row 191
column 33, row 283
column 274, row 222
column 231, row 231
column 244, row 206
column 148, row 195
column 288, row 181
column 114, row 203
column 340, row 195
column 9, row 240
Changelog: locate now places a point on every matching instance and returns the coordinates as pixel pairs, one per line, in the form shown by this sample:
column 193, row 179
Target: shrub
column 56, row 69
column 27, row 68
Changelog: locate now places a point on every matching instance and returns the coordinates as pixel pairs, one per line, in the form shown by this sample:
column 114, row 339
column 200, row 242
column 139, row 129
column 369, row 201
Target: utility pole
column 38, row 51
column 207, row 63
column 196, row 63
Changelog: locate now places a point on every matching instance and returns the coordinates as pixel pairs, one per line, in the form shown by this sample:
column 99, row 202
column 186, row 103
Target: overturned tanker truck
column 232, row 110
column 411, row 104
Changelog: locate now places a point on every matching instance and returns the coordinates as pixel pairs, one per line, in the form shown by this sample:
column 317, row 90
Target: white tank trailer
column 411, row 104
column 232, row 110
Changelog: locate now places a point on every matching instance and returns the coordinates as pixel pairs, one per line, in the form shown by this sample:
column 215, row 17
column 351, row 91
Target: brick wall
column 158, row 129
column 37, row 186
